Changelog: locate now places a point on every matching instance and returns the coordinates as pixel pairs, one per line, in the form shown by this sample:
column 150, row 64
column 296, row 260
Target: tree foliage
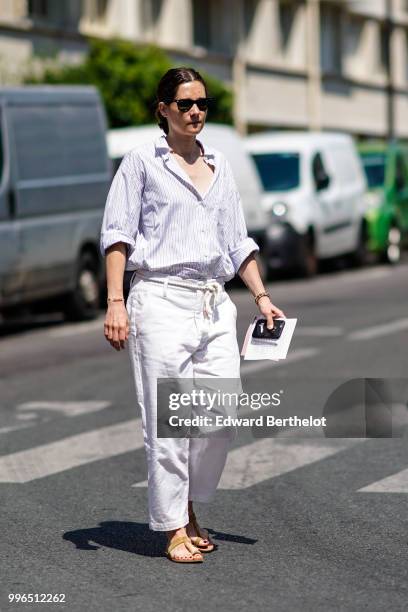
column 126, row 77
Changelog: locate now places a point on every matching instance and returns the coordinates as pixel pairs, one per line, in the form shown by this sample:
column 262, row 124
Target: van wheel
column 309, row 264
column 83, row 303
column 392, row 253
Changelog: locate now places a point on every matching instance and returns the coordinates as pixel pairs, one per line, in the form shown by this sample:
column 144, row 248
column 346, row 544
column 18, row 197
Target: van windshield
column 374, row 167
column 278, row 171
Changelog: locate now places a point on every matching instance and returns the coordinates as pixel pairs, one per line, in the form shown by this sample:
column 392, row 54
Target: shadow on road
column 134, row 538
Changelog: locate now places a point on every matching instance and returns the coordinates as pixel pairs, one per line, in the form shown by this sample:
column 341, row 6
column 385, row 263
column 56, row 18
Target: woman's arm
column 117, row 241
column 249, row 273
column 116, row 326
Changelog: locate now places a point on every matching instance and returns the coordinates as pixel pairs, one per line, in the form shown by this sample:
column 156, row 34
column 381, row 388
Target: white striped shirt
column 167, row 225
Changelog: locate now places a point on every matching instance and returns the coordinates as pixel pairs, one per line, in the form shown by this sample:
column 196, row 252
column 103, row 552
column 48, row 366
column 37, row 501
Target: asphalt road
column 303, row 521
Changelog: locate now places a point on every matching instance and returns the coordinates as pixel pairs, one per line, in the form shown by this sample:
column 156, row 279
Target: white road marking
column 77, row 328
column 319, row 331
column 14, row 428
column 265, row 364
column 396, row 483
column 26, row 416
column 71, row 452
column 270, row 457
column 68, row 409
column 361, row 275
column 379, row 330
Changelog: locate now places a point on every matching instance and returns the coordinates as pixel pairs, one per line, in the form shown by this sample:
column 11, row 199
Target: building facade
column 313, row 64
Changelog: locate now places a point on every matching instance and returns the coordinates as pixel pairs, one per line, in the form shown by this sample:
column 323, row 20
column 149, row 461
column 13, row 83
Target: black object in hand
column 260, row 330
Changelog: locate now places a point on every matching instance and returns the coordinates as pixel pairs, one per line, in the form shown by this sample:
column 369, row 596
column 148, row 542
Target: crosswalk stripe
column 246, row 465
column 270, row 457
column 10, row 428
column 396, row 483
column 73, row 329
column 71, row 452
column 364, row 275
column 68, row 409
column 379, row 330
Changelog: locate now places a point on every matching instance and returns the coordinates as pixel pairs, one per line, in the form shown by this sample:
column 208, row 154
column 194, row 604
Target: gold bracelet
column 116, row 299
column 260, row 295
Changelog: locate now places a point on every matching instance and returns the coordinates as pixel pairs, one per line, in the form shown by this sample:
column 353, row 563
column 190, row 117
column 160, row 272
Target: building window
column 250, row 7
column 202, row 23
column 97, row 9
column 287, row 13
column 383, row 52
column 38, row 8
column 151, row 10
column 331, row 39
column 353, row 36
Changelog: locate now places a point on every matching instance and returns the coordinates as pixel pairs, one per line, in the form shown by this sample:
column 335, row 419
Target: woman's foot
column 185, row 551
column 197, row 534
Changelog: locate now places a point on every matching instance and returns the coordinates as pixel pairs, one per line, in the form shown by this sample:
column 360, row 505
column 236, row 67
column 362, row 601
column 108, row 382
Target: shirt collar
column 163, row 148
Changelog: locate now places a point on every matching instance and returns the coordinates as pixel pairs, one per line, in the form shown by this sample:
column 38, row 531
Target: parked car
column 55, row 174
column 386, row 168
column 314, row 187
column 225, row 139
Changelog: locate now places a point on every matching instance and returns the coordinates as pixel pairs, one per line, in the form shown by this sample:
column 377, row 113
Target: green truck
column 386, row 168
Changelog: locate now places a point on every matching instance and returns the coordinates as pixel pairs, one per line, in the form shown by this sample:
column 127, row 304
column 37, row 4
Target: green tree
column 127, row 76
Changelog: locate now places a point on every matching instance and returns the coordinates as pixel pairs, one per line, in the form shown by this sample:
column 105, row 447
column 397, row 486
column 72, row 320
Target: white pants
column 181, row 333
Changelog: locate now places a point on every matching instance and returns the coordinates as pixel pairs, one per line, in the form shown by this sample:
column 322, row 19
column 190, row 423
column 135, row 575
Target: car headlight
column 276, row 231
column 279, row 209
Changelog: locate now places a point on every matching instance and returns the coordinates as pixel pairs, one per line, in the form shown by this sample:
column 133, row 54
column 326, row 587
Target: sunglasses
column 184, row 104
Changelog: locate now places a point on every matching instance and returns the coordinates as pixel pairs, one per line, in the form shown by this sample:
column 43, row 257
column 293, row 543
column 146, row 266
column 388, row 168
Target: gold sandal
column 182, row 540
column 196, row 539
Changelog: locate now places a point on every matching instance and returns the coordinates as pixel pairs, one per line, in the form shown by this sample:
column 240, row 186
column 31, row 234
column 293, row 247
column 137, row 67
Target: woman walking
column 174, row 216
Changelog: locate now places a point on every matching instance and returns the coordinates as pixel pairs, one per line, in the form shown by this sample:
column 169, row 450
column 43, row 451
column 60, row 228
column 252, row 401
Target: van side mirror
column 399, row 182
column 320, row 176
column 322, row 182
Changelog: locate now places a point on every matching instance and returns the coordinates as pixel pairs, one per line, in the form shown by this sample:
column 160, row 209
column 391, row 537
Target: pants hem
column 182, row 522
column 204, row 499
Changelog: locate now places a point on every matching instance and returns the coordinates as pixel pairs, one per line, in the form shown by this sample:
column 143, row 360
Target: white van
column 223, row 138
column 54, row 176
column 314, row 187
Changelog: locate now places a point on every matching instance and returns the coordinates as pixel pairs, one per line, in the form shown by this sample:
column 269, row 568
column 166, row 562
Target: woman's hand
column 269, row 311
column 116, row 326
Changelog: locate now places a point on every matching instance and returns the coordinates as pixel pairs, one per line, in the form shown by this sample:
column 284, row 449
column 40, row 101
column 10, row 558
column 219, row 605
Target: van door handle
column 12, row 204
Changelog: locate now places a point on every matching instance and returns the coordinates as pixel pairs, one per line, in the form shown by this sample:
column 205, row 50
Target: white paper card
column 253, row 348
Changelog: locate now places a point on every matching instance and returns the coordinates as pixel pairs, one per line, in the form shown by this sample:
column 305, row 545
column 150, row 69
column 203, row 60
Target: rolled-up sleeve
column 123, row 205
column 240, row 244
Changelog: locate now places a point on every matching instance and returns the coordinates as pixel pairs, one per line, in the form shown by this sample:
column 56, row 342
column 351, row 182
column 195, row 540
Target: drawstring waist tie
column 211, row 288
